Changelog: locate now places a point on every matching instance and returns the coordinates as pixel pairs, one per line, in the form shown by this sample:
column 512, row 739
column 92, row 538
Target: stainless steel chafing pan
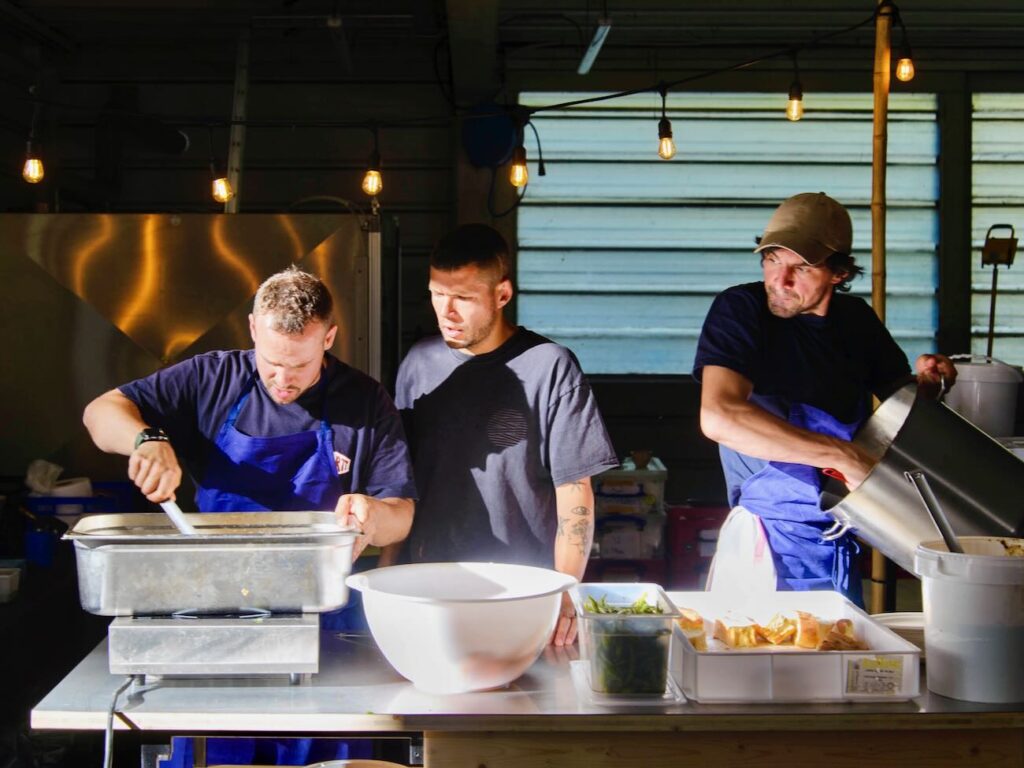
column 282, row 562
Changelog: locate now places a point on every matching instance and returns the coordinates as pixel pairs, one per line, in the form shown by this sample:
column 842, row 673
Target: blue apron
column 786, row 499
column 285, row 473
column 257, row 474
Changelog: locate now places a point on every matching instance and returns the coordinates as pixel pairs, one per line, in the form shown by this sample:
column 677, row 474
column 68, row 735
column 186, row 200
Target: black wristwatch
column 151, row 433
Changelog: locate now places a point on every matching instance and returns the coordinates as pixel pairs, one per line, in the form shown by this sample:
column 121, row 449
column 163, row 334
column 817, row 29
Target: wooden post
column 883, row 26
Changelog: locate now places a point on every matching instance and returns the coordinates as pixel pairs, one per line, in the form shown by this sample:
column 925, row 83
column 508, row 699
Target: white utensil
column 178, row 517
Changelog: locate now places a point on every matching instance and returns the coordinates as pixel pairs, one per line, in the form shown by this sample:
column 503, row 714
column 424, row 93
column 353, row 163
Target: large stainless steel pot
column 978, row 482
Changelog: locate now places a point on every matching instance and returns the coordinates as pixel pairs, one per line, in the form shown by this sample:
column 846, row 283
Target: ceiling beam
column 34, row 28
column 473, row 38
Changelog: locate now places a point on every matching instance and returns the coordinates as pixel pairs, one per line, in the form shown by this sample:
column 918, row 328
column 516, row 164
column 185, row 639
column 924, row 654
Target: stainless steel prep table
column 540, row 720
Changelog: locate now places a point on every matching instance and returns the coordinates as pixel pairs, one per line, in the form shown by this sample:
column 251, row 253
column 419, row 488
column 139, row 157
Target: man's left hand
column 355, row 510
column 565, row 629
column 935, row 372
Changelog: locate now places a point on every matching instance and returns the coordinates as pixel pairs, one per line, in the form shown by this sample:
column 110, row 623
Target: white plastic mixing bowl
column 457, row 627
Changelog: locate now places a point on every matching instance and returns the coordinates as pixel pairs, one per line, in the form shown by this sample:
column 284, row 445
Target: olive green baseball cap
column 812, row 225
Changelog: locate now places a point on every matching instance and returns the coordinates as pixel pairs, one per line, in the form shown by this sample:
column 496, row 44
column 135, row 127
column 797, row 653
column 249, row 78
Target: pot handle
column 837, row 531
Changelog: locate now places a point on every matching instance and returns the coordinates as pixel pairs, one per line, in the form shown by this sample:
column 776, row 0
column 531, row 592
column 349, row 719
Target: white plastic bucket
column 986, row 393
column 973, row 619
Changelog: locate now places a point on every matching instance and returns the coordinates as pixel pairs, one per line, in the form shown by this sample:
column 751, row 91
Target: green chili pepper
column 629, row 657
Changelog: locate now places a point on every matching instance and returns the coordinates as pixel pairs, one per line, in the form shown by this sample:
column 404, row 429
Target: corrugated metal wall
column 997, row 189
column 621, row 253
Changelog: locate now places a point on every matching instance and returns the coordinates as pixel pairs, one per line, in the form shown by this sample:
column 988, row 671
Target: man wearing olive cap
column 787, row 368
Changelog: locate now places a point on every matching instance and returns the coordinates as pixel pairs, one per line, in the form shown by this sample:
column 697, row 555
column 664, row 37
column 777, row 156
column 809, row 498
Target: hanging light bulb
column 373, row 183
column 905, row 63
column 795, row 105
column 666, row 146
column 905, row 69
column 32, row 171
column 221, row 189
column 518, row 173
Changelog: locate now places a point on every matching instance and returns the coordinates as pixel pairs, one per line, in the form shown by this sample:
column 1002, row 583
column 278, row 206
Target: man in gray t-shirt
column 504, row 430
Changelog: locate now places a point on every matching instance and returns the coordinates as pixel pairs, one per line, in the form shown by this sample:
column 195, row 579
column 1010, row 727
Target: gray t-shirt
column 491, row 437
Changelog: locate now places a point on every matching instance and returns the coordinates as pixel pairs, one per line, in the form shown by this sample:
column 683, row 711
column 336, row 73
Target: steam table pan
column 236, row 563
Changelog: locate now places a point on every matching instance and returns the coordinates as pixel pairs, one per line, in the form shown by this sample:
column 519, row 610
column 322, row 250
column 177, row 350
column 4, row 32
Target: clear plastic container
column 627, row 654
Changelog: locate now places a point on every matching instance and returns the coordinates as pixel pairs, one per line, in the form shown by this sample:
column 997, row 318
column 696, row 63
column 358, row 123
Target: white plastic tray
column 888, row 671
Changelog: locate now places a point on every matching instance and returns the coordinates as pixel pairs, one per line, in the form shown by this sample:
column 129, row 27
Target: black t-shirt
column 834, row 363
column 492, row 436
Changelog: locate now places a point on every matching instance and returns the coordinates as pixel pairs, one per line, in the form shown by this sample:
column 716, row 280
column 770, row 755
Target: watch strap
column 150, row 434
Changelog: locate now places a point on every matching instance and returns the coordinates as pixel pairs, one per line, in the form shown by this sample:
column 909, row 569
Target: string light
column 220, row 187
column 32, row 171
column 666, row 146
column 518, row 173
column 373, row 182
column 795, row 104
column 905, row 64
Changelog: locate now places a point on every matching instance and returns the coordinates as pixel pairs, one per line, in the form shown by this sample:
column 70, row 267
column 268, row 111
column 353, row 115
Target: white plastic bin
column 974, row 619
column 888, row 671
column 986, row 393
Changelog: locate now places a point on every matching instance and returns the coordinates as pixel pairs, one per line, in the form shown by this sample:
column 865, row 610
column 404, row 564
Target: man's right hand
column 154, row 469
column 855, row 463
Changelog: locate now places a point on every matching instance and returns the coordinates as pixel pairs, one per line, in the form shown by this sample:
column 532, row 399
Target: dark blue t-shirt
column 833, row 363
column 492, row 436
column 191, row 400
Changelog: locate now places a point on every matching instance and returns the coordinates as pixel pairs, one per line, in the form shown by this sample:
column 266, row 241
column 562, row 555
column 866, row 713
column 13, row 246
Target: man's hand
column 382, row 521
column 153, row 467
column 355, row 510
column 855, row 463
column 932, row 372
column 565, row 629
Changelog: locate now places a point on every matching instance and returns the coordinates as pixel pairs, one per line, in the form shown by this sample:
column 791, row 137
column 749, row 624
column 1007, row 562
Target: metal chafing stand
column 241, row 597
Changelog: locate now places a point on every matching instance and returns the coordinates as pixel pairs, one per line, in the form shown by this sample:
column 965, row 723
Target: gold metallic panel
column 90, row 301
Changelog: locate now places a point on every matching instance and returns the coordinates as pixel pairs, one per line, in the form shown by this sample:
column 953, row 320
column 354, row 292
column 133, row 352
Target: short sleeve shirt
column 833, row 363
column 492, row 436
column 191, row 401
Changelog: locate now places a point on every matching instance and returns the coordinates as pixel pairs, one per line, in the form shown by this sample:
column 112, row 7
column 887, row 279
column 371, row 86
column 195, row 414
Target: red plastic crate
column 688, row 552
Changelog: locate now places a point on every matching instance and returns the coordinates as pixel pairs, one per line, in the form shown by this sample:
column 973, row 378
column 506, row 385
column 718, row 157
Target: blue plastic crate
column 107, row 497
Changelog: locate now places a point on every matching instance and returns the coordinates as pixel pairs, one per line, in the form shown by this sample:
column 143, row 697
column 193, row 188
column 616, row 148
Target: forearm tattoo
column 576, row 527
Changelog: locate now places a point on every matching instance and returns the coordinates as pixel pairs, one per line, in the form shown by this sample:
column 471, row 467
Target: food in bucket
column 627, row 658
column 1012, row 550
